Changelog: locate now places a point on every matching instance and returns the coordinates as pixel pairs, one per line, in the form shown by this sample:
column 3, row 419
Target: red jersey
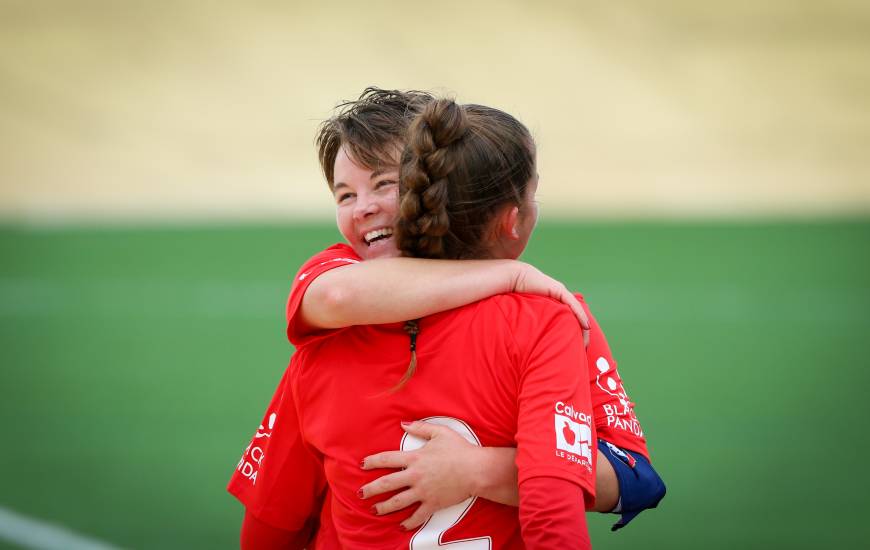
column 336, row 255
column 292, row 478
column 612, row 409
column 508, row 371
column 264, row 496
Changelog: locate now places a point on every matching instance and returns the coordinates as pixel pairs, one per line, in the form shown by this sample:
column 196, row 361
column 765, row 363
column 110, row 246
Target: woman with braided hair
column 368, row 230
column 501, row 370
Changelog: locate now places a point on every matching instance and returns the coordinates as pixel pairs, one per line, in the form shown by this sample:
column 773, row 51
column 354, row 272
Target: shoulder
column 527, row 316
column 337, row 254
column 515, row 304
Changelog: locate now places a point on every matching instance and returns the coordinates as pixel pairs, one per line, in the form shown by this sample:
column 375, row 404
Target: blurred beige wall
column 182, row 109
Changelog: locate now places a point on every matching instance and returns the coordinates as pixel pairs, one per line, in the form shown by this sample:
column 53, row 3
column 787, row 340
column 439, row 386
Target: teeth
column 383, row 232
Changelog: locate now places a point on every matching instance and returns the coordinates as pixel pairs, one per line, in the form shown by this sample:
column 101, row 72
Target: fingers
column 395, row 503
column 579, row 312
column 387, row 459
column 418, row 518
column 584, row 320
column 425, row 430
column 403, row 459
column 385, row 484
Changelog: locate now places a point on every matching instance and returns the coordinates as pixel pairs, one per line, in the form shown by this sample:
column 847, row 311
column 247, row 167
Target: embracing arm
column 448, row 470
column 495, row 478
column 492, row 474
column 391, row 290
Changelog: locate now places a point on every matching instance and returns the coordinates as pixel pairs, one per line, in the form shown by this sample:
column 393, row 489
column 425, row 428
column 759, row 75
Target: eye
column 385, row 183
column 341, row 197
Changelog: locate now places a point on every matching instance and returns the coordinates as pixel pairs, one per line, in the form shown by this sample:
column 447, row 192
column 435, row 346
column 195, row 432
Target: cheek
column 344, row 221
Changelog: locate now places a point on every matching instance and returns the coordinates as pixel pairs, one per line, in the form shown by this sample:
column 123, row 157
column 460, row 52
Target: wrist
column 487, row 468
column 517, row 273
column 479, row 481
column 494, row 475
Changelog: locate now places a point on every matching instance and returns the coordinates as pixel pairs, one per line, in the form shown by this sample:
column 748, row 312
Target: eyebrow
column 376, row 173
column 382, row 171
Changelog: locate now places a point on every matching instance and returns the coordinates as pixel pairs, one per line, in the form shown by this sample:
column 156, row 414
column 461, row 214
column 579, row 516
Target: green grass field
column 136, row 364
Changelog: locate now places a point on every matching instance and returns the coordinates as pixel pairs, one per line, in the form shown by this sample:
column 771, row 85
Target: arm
column 278, row 480
column 258, row 535
column 555, row 487
column 397, row 289
column 550, row 516
column 613, row 410
column 445, row 471
column 448, row 469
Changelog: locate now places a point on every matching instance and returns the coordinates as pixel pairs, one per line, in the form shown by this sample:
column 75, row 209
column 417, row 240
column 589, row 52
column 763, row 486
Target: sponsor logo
column 261, row 431
column 573, row 435
column 619, row 415
column 253, row 456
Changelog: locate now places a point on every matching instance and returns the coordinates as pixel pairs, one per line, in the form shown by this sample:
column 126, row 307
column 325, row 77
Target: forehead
column 348, row 167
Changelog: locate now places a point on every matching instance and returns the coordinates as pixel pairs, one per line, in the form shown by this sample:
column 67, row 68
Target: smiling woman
column 467, row 191
column 466, row 194
column 366, row 205
column 359, row 152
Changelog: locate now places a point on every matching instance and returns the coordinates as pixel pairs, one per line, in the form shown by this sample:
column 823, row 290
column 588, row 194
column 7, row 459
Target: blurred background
column 705, row 181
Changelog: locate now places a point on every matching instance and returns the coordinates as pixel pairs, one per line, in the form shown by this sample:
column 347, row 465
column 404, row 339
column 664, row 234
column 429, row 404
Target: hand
column 437, row 475
column 531, row 280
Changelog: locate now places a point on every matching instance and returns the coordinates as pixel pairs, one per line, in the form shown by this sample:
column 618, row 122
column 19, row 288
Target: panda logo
column 612, row 384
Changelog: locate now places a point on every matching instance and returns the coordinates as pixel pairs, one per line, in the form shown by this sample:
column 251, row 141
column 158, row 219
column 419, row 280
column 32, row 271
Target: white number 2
column 428, row 537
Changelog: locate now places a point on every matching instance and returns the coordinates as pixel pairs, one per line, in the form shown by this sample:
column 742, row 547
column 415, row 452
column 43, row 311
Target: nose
column 366, row 205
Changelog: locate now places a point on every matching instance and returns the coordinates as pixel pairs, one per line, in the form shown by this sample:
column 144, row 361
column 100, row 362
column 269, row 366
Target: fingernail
column 406, row 423
column 402, row 528
column 360, row 494
column 374, row 510
column 362, row 464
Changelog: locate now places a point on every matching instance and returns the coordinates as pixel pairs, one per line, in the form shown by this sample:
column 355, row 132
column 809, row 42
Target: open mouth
column 378, row 235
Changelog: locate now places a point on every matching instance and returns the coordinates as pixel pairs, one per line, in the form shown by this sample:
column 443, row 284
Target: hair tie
column 412, row 328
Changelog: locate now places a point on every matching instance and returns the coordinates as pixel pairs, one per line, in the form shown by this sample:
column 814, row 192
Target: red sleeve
column 279, row 479
column 613, row 410
column 337, row 255
column 257, row 535
column 549, row 515
column 555, row 432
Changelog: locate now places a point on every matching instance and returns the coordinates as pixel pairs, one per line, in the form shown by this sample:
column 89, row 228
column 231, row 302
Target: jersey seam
column 511, row 335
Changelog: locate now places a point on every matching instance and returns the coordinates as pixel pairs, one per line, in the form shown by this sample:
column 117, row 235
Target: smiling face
column 367, row 203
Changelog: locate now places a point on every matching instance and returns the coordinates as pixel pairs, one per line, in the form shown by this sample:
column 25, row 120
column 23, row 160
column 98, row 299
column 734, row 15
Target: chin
column 379, row 249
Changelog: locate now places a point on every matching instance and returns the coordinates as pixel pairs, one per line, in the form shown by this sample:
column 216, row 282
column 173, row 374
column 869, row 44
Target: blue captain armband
column 640, row 487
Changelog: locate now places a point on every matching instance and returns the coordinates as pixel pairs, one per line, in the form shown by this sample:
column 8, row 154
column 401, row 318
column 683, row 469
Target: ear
column 508, row 223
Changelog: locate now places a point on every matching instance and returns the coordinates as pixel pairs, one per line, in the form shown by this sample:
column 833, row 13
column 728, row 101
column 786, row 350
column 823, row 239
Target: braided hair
column 461, row 165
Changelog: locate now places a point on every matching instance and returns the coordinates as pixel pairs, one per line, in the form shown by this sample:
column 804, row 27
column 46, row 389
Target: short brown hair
column 373, row 128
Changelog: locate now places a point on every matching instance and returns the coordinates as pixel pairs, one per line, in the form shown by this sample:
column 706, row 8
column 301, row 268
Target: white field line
column 41, row 535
